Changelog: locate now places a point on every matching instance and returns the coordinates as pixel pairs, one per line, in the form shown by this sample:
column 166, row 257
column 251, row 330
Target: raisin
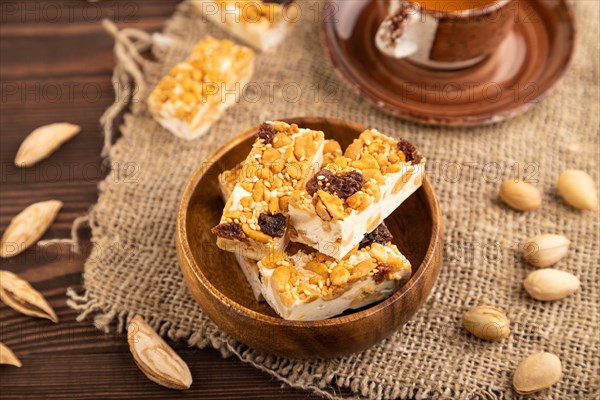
column 266, row 132
column 382, row 271
column 314, row 184
column 410, row 151
column 228, row 230
column 272, row 224
column 343, row 185
column 380, row 235
column 347, row 184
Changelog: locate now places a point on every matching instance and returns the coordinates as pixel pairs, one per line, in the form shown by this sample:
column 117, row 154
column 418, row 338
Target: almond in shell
column 43, row 141
column 155, row 358
column 18, row 294
column 8, row 357
column 578, row 189
column 545, row 250
column 28, row 227
column 519, row 195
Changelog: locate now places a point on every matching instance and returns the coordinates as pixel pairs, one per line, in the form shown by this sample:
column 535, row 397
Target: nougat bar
column 255, row 218
column 227, row 181
column 196, row 92
column 353, row 194
column 307, row 285
column 262, row 24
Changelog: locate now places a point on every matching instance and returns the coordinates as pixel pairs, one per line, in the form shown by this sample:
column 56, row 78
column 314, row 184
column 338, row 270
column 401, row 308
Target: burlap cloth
column 134, row 267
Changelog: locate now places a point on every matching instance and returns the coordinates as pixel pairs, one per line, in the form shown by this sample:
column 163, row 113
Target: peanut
column 256, row 235
column 271, row 155
column 359, row 201
column 280, row 277
column 339, row 276
column 317, row 268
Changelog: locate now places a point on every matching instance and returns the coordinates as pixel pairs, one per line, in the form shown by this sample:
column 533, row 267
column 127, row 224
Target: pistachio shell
column 578, row 189
column 43, row 141
column 537, row 372
column 486, row 322
column 520, row 195
column 545, row 250
column 8, row 357
column 551, row 284
column 20, row 296
column 155, row 358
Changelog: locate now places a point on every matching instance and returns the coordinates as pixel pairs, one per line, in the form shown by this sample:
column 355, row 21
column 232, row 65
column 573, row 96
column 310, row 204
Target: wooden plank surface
column 55, row 64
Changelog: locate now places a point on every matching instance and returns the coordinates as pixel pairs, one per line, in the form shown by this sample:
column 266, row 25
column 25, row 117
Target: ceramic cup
column 443, row 34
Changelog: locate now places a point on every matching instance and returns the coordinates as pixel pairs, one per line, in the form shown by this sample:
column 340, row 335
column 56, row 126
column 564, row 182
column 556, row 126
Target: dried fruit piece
column 8, row 357
column 43, row 141
column 272, row 224
column 578, row 189
column 486, row 322
column 266, row 132
column 410, row 151
column 537, row 372
column 347, row 184
column 519, row 195
column 342, row 185
column 20, row 296
column 551, row 284
column 319, row 181
column 28, row 227
column 544, row 250
column 155, row 358
column 380, row 235
column 228, row 230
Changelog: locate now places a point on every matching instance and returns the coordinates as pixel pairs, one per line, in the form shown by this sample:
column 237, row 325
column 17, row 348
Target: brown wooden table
column 55, row 64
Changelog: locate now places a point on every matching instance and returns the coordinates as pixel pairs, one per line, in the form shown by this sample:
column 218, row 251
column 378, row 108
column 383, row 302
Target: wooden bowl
column 217, row 283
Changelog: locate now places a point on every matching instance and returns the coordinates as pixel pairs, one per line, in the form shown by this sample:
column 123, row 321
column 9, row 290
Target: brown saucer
column 531, row 60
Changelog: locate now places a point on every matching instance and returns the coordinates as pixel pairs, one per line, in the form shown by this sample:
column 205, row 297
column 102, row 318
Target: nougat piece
column 262, row 24
column 353, row 194
column 255, row 217
column 309, row 286
column 227, row 181
column 197, row 91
